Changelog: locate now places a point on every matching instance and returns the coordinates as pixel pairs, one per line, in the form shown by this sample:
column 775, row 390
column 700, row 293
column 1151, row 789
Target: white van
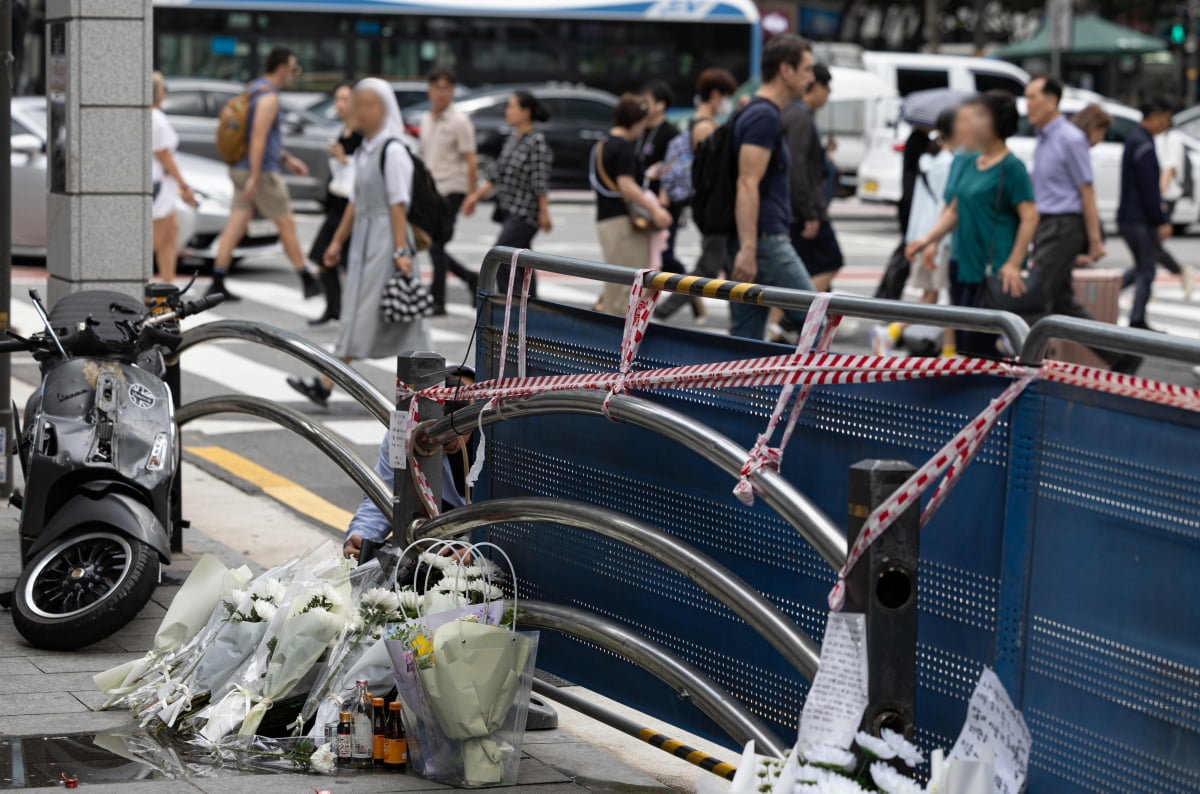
column 858, row 103
column 914, row 71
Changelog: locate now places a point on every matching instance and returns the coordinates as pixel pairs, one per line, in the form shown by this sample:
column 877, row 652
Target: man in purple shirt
column 1066, row 198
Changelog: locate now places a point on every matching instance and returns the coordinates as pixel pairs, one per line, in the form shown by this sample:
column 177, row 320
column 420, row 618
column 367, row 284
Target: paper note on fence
column 398, row 439
column 993, row 720
column 838, row 696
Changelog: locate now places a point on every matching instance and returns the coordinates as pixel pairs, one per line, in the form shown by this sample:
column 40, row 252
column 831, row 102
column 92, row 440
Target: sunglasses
column 297, row 70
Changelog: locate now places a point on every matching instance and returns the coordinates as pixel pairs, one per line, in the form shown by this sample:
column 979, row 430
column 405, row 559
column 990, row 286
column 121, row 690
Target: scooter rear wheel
column 83, row 588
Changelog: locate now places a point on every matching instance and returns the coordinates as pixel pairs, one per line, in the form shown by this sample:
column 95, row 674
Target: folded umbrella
column 922, row 108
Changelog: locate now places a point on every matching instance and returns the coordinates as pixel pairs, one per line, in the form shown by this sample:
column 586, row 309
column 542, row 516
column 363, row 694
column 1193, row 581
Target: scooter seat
column 105, row 307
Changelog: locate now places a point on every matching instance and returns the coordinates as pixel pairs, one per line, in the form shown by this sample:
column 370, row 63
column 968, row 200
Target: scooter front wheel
column 82, row 588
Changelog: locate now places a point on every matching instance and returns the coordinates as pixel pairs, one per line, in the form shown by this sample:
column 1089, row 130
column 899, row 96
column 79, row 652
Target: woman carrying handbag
column 990, row 208
column 381, row 253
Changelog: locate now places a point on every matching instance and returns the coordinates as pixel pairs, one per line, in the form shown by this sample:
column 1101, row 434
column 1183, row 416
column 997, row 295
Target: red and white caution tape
column 762, row 454
column 952, row 459
column 637, row 319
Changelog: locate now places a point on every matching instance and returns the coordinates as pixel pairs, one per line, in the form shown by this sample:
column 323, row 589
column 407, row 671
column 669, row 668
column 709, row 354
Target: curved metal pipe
column 686, row 679
column 793, row 506
column 715, row 579
column 1006, row 323
column 301, row 425
column 297, row 347
column 1107, row 337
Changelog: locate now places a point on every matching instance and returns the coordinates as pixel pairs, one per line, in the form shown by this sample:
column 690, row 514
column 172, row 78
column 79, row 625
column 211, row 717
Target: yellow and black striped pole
column 734, row 291
column 647, row 735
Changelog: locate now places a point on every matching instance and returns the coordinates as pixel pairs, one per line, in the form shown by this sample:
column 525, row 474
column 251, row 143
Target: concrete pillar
column 98, row 63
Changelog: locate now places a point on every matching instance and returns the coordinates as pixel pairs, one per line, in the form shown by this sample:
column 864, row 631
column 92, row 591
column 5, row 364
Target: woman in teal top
column 990, row 209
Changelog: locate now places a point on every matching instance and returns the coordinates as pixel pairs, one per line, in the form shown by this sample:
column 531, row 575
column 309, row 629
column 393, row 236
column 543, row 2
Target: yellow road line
column 279, row 488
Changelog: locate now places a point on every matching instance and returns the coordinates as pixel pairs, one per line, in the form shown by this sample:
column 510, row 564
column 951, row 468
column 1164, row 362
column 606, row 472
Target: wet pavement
column 48, row 727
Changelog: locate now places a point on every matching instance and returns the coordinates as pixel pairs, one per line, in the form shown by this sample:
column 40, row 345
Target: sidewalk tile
column 534, row 772
column 39, row 703
column 593, row 768
column 76, row 662
column 36, row 681
column 350, row 783
column 16, row 666
column 64, row 724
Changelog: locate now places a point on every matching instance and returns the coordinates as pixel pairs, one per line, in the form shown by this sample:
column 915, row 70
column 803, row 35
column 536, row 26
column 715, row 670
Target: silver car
column 199, row 226
column 194, row 105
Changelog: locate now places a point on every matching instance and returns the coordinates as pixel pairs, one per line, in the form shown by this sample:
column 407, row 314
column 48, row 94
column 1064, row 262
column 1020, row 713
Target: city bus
column 615, row 45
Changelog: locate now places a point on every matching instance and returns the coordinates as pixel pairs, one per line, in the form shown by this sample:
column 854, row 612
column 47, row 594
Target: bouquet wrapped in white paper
column 298, row 631
column 189, row 612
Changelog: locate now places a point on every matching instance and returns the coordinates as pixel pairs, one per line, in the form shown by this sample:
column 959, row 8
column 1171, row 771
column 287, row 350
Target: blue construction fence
column 1067, row 557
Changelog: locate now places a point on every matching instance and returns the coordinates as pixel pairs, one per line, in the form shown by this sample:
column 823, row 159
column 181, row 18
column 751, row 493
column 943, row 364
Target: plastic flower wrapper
column 288, row 754
column 358, row 652
column 313, row 611
column 188, row 613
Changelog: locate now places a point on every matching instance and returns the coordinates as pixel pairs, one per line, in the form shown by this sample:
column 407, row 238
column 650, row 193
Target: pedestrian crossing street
column 220, row 368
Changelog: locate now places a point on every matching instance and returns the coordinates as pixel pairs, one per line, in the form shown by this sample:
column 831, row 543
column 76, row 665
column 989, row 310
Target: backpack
column 1187, row 180
column 428, row 212
column 714, row 181
column 677, row 176
column 233, row 127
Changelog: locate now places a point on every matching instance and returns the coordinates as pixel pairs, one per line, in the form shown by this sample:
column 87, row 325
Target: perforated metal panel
column 636, row 472
column 1065, row 557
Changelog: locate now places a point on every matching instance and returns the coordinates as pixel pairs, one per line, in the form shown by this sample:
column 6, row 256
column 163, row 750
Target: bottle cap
column 396, row 705
column 345, row 715
column 376, row 701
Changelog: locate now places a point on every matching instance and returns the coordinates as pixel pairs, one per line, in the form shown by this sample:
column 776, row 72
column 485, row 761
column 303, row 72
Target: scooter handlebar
column 202, row 305
column 15, row 346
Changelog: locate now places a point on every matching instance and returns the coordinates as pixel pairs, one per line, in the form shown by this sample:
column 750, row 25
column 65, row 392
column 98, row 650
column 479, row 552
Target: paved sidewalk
column 47, row 693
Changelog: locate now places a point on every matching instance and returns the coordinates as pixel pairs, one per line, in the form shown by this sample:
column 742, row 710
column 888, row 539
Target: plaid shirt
column 521, row 175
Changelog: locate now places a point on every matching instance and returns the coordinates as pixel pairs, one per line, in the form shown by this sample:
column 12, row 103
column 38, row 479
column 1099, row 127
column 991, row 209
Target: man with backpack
column 762, row 206
column 250, row 140
column 714, row 88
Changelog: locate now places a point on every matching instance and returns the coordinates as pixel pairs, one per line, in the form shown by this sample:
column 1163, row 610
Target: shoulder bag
column 1033, row 299
column 638, row 214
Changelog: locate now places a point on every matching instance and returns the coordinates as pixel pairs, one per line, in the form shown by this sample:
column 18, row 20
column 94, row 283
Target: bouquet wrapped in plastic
column 465, row 678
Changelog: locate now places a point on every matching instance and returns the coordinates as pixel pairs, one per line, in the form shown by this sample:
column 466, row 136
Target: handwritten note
column 994, row 726
column 838, row 696
column 398, row 427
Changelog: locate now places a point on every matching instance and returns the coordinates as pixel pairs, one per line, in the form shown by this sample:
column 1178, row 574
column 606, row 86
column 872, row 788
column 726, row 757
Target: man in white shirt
column 1174, row 184
column 448, row 148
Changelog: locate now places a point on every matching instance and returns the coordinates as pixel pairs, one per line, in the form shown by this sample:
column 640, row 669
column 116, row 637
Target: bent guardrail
column 1106, row 336
column 718, row 581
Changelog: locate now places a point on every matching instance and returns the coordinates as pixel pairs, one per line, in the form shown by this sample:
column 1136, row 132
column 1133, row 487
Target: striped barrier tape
column 637, row 319
column 762, row 454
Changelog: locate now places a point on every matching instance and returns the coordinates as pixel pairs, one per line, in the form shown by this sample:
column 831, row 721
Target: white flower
column 876, row 747
column 906, row 751
column 272, row 589
column 833, row 757
column 409, row 600
column 892, row 782
column 473, row 572
column 435, row 561
column 488, row 567
column 489, row 591
column 453, row 584
column 331, row 594
column 469, row 619
column 811, row 774
column 265, row 610
column 236, row 597
column 381, row 598
column 354, row 625
column 322, row 760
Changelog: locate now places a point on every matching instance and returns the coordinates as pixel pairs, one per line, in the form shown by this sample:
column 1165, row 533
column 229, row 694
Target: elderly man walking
column 1063, row 188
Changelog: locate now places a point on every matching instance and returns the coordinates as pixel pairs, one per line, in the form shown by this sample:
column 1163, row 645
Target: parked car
column 409, row 94
column 880, row 173
column 915, row 71
column 198, row 226
column 579, row 117
column 194, row 105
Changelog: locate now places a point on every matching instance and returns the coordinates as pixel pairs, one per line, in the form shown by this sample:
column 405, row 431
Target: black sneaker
column 309, row 282
column 439, row 310
column 313, row 389
column 219, row 286
column 1144, row 326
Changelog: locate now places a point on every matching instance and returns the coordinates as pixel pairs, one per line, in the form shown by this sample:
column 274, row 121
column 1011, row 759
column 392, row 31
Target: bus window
column 844, row 117
column 910, row 80
column 322, row 60
column 990, row 81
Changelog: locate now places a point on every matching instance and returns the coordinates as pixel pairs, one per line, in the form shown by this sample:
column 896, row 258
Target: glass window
column 218, row 100
column 184, row 103
column 323, row 60
column 15, row 128
column 585, row 112
column 910, row 80
column 493, row 110
column 1120, row 129
column 990, row 81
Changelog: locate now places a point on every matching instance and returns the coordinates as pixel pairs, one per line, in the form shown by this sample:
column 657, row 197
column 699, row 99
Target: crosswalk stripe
column 243, row 375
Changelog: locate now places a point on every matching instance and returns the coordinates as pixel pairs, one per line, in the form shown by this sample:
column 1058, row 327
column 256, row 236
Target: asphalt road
column 272, row 458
